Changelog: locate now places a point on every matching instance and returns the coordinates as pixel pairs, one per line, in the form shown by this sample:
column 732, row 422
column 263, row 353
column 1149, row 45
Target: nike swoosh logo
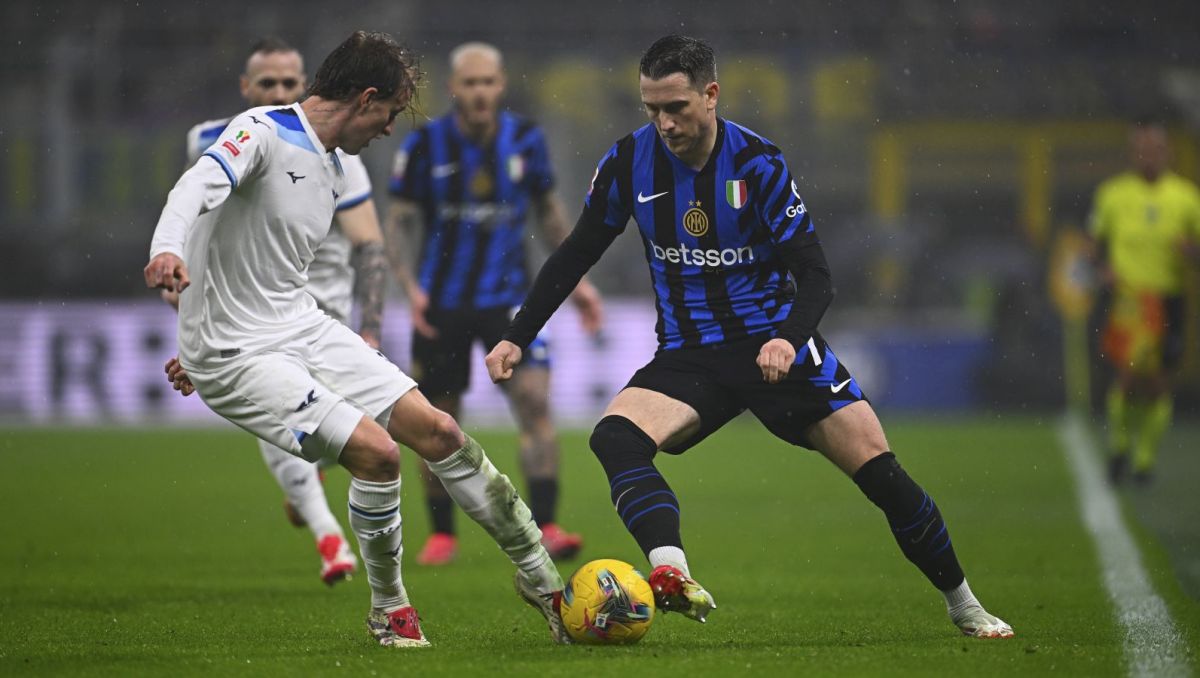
column 839, row 387
column 924, row 532
column 620, row 496
column 443, row 171
column 647, row 198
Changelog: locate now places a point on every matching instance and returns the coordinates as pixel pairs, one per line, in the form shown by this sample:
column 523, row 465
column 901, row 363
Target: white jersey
column 330, row 277
column 247, row 220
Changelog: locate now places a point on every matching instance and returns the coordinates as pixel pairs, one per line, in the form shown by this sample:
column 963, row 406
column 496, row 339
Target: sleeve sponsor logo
column 233, row 150
column 516, row 168
column 592, row 183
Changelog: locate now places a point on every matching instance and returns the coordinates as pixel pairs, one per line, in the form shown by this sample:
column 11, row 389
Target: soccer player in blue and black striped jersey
column 741, row 285
column 471, row 178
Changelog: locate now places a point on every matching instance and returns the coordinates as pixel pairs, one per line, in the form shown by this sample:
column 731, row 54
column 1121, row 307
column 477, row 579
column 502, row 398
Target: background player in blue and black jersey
column 741, row 285
column 470, row 179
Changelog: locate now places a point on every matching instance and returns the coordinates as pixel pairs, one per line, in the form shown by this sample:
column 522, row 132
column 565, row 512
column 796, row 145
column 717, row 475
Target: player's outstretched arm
column 560, row 275
column 552, row 219
column 202, row 188
column 500, row 362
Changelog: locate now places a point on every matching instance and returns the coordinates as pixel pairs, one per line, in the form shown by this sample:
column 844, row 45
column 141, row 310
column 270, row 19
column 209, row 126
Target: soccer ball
column 607, row 602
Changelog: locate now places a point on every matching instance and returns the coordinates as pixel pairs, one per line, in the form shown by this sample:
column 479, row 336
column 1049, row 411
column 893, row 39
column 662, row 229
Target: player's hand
column 419, row 302
column 587, row 301
column 168, row 272
column 179, row 378
column 501, row 361
column 171, row 298
column 775, row 359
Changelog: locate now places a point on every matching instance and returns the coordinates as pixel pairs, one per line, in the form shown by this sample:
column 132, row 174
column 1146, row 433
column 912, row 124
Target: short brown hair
column 270, row 45
column 366, row 60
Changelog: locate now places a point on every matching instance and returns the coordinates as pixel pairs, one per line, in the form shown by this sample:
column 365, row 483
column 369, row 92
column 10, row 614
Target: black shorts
column 722, row 381
column 442, row 366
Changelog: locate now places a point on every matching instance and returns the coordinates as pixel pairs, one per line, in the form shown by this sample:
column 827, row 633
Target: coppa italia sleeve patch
column 241, row 137
column 240, row 148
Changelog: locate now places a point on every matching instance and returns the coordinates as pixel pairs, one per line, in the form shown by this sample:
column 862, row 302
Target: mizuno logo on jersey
column 312, row 398
column 700, row 257
column 294, row 178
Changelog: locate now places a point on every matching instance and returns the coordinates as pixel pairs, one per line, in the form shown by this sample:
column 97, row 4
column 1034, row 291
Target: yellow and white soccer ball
column 607, row 602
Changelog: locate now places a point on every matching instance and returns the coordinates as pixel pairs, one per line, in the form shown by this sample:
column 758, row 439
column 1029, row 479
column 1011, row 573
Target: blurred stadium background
column 944, row 149
column 947, row 151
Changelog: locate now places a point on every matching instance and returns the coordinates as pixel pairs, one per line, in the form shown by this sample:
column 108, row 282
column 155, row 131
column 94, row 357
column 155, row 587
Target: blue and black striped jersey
column 710, row 235
column 475, row 200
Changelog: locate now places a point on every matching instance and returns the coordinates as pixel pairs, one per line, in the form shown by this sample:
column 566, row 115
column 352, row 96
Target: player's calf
column 643, row 499
column 921, row 533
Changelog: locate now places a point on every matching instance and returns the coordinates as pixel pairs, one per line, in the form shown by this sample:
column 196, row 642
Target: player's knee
column 887, row 485
column 445, row 436
column 615, row 437
column 379, row 461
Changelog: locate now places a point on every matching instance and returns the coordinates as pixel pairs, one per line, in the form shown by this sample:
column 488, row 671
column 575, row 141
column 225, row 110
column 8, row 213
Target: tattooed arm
column 361, row 226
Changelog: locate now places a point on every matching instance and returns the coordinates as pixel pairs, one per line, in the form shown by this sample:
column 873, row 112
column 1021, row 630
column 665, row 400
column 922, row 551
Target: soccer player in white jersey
column 236, row 238
column 275, row 77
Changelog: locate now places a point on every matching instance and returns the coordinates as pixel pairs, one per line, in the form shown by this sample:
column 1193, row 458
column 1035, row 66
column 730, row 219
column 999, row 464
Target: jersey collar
column 312, row 135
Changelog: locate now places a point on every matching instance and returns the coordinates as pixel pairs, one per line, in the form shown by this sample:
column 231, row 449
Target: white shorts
column 308, row 395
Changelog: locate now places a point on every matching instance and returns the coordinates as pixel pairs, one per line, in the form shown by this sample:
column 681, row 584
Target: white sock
column 302, row 486
column 375, row 519
column 960, row 598
column 669, row 555
column 489, row 498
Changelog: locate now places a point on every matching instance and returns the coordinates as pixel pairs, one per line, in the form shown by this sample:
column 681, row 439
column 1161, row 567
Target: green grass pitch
column 128, row 552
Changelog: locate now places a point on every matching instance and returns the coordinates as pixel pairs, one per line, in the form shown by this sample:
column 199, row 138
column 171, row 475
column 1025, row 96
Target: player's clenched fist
column 168, row 272
column 775, row 359
column 501, row 361
column 178, row 377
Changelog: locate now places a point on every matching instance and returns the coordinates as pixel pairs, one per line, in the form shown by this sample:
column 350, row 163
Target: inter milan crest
column 695, row 221
column 482, row 184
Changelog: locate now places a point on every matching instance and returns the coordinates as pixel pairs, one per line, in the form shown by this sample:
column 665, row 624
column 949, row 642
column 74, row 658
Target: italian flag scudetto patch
column 735, row 193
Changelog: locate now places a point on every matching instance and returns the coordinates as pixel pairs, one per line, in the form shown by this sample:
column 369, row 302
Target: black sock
column 644, row 501
column 441, row 512
column 915, row 520
column 543, row 496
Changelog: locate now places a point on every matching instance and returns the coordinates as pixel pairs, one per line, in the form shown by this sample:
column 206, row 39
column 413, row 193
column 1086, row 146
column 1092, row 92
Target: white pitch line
column 1153, row 644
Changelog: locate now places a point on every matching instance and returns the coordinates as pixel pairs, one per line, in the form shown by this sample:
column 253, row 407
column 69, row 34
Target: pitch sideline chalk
column 1153, row 644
